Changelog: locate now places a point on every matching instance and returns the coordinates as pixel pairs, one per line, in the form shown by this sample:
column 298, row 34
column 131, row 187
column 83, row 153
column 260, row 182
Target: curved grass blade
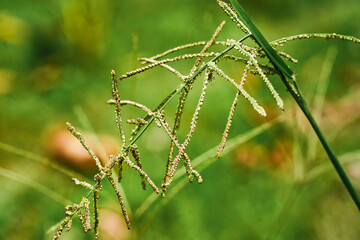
column 259, row 38
column 42, row 160
column 34, row 185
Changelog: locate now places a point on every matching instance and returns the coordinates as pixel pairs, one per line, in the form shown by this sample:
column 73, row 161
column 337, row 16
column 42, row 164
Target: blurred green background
column 55, row 63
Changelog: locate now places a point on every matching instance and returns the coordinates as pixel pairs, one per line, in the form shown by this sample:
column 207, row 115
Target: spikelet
column 96, row 196
column 159, row 63
column 70, row 212
column 172, row 134
column 85, row 218
column 82, row 183
column 121, row 201
column 138, row 121
column 287, row 57
column 228, row 125
column 178, row 48
column 253, row 102
column 234, row 17
column 127, row 160
column 65, row 225
column 120, row 162
column 198, row 108
column 172, row 165
column 132, row 103
column 79, row 136
column 254, row 62
column 116, row 97
column 281, row 41
column 207, row 46
column 134, row 150
column 171, row 69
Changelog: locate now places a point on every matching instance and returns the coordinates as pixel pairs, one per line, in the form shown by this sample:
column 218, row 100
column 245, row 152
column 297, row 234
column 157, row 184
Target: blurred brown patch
column 63, row 147
column 274, row 155
column 279, row 154
column 342, row 111
column 249, row 155
column 112, row 226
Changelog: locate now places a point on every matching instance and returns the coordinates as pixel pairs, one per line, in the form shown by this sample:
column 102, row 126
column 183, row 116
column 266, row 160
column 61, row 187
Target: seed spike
column 171, row 69
column 120, row 166
column 207, row 46
column 178, row 48
column 281, row 41
column 79, row 136
column 121, row 201
column 116, row 97
column 137, row 168
column 254, row 62
column 228, row 125
column 253, row 102
column 171, row 168
column 82, row 183
column 84, row 218
column 136, row 154
column 96, row 197
column 234, row 17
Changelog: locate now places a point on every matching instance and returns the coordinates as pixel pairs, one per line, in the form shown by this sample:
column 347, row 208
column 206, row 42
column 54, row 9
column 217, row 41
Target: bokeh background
column 55, row 63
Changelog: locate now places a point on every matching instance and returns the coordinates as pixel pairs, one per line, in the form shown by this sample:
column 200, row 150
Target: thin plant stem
column 300, row 100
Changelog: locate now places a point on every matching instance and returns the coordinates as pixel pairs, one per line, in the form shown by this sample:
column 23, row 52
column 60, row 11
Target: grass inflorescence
column 206, row 63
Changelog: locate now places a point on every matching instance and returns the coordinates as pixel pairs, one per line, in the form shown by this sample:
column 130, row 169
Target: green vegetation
column 272, row 181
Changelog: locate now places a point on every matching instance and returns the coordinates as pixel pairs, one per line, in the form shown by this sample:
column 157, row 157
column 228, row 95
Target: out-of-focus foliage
column 56, row 56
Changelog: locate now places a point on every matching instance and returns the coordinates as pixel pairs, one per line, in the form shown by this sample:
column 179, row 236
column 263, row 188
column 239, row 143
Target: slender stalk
column 300, row 100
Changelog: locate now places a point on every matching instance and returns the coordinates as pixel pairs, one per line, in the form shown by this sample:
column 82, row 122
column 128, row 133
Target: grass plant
column 211, row 70
column 262, row 60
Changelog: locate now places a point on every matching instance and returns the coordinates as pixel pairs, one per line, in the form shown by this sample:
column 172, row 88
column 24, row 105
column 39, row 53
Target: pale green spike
column 253, row 102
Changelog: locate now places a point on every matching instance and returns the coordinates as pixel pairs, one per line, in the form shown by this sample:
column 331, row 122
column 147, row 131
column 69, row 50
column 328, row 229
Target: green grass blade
column 35, row 185
column 42, row 160
column 259, row 38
